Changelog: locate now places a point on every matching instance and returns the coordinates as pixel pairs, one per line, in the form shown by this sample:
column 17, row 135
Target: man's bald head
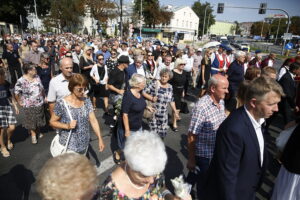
column 66, row 67
column 218, row 87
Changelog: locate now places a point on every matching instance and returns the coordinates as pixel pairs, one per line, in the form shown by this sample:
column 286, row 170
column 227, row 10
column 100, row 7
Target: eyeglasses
column 113, row 54
column 80, row 89
column 100, row 58
column 69, row 56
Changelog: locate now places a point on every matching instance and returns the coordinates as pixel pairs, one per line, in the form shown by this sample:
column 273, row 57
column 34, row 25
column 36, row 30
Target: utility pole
column 141, row 15
column 121, row 19
column 204, row 21
column 36, row 17
column 277, row 30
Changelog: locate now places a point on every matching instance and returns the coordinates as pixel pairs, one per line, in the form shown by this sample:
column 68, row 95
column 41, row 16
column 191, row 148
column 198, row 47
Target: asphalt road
column 18, row 172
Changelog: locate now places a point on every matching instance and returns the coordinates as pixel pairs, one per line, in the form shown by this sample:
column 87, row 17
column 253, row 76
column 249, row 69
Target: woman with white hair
column 132, row 109
column 139, row 177
column 178, row 82
column 69, row 176
column 235, row 75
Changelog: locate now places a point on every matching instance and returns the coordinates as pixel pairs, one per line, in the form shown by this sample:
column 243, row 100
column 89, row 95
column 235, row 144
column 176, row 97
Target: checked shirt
column 206, row 119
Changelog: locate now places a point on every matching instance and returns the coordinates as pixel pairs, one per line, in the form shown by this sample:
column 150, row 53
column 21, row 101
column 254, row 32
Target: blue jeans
column 198, row 176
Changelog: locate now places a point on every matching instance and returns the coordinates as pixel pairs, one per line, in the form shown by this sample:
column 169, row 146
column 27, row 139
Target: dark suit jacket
column 291, row 154
column 289, row 88
column 235, row 171
column 235, row 76
column 132, row 70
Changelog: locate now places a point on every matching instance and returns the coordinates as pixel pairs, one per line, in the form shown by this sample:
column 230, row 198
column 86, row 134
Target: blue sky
column 242, row 15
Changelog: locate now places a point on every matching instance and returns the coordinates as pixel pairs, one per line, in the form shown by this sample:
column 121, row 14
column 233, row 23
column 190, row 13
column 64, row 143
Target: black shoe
column 175, row 129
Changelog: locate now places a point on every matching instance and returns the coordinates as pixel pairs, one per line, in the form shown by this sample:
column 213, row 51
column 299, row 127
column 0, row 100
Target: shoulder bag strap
column 69, row 113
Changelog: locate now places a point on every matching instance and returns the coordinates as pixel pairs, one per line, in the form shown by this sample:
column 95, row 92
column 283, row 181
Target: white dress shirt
column 259, row 134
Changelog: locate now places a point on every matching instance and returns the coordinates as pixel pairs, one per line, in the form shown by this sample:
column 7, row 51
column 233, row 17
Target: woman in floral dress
column 164, row 93
column 29, row 93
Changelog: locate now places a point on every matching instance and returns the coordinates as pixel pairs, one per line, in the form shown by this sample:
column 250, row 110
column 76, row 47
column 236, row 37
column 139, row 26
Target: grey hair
column 166, row 71
column 239, row 54
column 139, row 58
column 145, row 152
column 213, row 81
column 136, row 79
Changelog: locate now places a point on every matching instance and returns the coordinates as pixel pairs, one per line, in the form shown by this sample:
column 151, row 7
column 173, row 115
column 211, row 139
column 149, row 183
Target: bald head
column 218, row 87
column 66, row 67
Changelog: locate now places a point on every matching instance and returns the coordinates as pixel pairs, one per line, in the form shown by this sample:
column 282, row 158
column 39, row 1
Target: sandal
column 10, row 145
column 175, row 129
column 33, row 140
column 117, row 160
column 5, row 153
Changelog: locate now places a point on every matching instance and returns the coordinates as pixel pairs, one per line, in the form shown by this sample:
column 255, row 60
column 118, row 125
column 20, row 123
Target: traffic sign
column 287, row 36
column 289, row 46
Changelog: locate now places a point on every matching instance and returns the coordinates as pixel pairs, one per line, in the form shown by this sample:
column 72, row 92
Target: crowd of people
column 64, row 76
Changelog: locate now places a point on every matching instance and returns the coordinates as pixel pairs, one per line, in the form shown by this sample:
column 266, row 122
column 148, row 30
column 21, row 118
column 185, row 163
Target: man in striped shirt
column 208, row 114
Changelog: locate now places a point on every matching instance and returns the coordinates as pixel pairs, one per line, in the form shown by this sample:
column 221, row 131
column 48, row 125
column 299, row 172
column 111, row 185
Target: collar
column 292, row 75
column 256, row 124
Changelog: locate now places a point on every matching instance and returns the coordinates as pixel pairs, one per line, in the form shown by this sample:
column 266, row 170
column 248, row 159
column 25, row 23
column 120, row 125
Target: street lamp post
column 277, row 30
column 208, row 23
column 141, row 18
column 204, row 21
column 121, row 19
column 36, row 17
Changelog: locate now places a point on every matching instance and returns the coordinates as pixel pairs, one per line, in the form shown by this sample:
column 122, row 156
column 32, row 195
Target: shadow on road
column 20, row 134
column 16, row 184
column 173, row 168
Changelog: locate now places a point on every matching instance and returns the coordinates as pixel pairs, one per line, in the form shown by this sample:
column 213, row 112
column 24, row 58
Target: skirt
column 7, row 116
column 100, row 90
column 34, row 117
column 287, row 186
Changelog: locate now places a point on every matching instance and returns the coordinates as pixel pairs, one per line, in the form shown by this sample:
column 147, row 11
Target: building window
column 184, row 14
column 177, row 24
column 186, row 24
column 182, row 23
column 191, row 25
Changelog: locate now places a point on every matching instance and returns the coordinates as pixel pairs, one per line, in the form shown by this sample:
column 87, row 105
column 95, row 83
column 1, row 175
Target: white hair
column 136, row 79
column 145, row 153
column 239, row 54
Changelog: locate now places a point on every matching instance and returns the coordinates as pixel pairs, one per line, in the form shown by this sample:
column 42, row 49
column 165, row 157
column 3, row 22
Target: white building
column 184, row 23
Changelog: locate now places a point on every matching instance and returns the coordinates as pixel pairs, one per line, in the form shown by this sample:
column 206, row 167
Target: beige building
column 222, row 28
column 184, row 24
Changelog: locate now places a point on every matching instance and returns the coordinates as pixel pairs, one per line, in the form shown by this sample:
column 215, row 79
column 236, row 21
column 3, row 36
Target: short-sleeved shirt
column 206, row 119
column 12, row 58
column 117, row 79
column 33, row 57
column 58, row 88
column 134, row 107
column 4, row 94
column 31, row 93
column 80, row 136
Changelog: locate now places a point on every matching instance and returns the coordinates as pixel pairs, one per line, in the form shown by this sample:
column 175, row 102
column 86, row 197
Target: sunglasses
column 100, row 58
column 113, row 54
column 80, row 89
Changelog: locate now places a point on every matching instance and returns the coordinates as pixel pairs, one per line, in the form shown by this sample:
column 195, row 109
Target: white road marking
column 105, row 165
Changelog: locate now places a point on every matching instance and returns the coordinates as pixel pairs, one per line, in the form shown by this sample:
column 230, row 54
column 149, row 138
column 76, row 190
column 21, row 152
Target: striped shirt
column 206, row 119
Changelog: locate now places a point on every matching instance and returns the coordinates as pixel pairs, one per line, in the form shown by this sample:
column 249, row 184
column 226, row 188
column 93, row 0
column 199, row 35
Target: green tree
column 237, row 28
column 295, row 25
column 152, row 13
column 199, row 9
column 259, row 28
column 65, row 14
column 102, row 10
column 10, row 10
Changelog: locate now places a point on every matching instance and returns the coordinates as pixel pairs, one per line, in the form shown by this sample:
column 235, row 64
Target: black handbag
column 184, row 108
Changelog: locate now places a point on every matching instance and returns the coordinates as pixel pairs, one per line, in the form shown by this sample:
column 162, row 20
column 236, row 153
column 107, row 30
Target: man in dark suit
column 136, row 67
column 288, row 104
column 240, row 154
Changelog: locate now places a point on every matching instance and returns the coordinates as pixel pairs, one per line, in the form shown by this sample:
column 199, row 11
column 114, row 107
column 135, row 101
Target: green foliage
column 102, row 10
column 295, row 25
column 65, row 14
column 152, row 13
column 237, row 28
column 199, row 9
column 10, row 10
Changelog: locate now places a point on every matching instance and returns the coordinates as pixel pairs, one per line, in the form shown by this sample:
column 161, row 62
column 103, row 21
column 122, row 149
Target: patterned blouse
column 109, row 191
column 80, row 136
column 31, row 93
column 111, row 64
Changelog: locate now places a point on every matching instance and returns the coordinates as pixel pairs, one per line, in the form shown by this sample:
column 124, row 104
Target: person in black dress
column 112, row 62
column 177, row 82
column 99, row 74
column 44, row 71
column 205, row 71
column 86, row 64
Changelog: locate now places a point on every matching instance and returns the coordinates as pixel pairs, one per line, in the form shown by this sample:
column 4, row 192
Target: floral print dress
column 109, row 191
